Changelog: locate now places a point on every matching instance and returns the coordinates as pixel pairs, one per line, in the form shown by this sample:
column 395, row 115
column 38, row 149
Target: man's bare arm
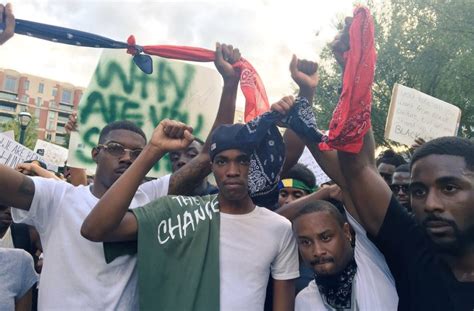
column 283, row 295
column 290, row 210
column 369, row 192
column 78, row 176
column 190, row 176
column 127, row 230
column 16, row 189
column 106, row 220
column 305, row 75
column 24, row 303
column 327, row 160
column 33, row 169
column 6, row 16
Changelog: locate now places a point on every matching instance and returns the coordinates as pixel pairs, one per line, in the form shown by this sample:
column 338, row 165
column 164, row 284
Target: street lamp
column 24, row 117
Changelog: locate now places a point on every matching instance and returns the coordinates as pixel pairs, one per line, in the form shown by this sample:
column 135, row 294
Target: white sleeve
column 363, row 243
column 309, row 299
column 157, row 188
column 45, row 204
column 365, row 249
column 286, row 266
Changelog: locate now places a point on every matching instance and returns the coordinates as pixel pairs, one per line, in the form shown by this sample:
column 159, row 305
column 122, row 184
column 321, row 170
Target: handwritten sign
column 13, row 153
column 414, row 114
column 9, row 134
column 119, row 90
column 52, row 153
column 308, row 160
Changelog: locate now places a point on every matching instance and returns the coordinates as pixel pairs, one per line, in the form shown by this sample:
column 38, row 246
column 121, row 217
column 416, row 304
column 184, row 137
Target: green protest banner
column 119, row 90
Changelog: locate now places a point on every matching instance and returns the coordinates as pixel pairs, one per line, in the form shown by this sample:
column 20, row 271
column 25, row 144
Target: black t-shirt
column 423, row 280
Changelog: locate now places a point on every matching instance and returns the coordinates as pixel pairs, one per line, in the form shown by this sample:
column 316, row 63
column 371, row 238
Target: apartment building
column 50, row 102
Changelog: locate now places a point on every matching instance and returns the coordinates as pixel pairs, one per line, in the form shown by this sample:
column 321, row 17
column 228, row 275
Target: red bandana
column 256, row 101
column 351, row 118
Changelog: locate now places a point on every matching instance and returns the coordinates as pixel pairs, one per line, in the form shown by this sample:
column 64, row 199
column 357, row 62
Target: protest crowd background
column 356, row 192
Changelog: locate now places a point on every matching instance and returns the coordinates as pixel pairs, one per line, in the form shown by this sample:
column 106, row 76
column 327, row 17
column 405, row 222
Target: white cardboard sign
column 13, row 153
column 52, row 153
column 413, row 114
column 308, row 160
column 10, row 134
column 118, row 90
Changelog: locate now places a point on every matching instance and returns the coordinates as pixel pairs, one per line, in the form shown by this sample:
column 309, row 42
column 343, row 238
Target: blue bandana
column 267, row 149
column 78, row 38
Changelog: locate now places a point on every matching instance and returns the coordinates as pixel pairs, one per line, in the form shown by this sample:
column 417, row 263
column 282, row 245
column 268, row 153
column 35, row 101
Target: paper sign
column 308, row 160
column 13, row 153
column 52, row 153
column 119, row 90
column 9, row 134
column 414, row 114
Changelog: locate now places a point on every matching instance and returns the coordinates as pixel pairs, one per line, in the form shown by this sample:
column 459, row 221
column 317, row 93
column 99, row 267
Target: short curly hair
column 454, row 146
column 390, row 157
column 120, row 125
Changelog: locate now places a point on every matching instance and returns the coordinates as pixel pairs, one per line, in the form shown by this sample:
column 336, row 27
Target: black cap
column 224, row 138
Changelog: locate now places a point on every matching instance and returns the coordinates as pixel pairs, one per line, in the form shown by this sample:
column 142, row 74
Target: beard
column 460, row 241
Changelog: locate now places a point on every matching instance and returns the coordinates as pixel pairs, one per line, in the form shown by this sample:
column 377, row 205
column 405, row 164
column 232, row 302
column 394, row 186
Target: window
column 51, row 125
column 25, row 98
column 39, row 102
column 61, row 140
column 60, row 129
column 37, row 113
column 65, row 107
column 54, row 92
column 10, row 84
column 48, row 136
column 8, row 107
column 26, row 86
column 66, row 97
column 41, row 88
column 51, row 114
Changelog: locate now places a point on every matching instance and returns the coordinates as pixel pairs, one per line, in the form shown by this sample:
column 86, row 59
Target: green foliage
column 31, row 134
column 424, row 44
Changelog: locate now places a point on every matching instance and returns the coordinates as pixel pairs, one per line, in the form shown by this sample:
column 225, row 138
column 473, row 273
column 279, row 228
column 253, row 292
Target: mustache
column 432, row 217
column 123, row 166
column 321, row 260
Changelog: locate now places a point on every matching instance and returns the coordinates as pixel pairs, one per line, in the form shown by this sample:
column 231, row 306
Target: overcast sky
column 267, row 32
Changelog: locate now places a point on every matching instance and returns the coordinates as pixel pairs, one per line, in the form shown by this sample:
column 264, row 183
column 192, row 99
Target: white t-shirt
column 374, row 285
column 17, row 276
column 75, row 275
column 7, row 240
column 252, row 246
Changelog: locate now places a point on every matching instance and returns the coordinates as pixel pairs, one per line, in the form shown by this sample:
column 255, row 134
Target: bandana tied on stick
column 256, row 101
column 351, row 118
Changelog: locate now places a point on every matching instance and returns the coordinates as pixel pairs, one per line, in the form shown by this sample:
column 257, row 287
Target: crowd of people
column 384, row 234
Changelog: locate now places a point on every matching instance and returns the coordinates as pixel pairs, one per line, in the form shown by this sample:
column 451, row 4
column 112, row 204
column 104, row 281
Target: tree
column 31, row 134
column 424, row 44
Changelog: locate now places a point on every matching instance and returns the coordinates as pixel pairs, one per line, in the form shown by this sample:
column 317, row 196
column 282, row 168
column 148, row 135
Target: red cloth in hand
column 351, row 118
column 256, row 101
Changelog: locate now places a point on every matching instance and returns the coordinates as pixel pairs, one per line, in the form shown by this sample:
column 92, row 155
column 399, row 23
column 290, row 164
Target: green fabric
column 178, row 253
column 296, row 183
column 113, row 250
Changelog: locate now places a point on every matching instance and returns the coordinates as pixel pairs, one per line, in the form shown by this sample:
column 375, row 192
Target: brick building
column 50, row 102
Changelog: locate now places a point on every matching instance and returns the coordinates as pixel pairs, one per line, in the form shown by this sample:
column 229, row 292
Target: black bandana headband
column 263, row 138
